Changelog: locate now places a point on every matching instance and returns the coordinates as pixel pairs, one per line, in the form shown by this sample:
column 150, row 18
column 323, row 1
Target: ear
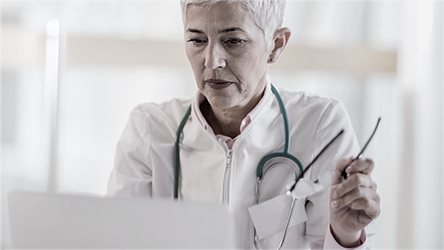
column 280, row 41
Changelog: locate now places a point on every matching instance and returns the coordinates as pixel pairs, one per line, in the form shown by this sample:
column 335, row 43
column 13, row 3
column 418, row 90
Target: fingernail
column 348, row 170
column 335, row 204
column 335, row 195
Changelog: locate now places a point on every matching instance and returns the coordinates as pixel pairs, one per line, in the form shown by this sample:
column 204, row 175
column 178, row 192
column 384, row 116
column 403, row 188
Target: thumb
column 340, row 167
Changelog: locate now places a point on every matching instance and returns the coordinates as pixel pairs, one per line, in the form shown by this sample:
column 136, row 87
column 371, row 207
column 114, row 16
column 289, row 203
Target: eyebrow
column 231, row 30
column 221, row 31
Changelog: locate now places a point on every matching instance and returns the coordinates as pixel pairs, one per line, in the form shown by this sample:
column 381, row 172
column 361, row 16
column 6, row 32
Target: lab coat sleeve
column 331, row 243
column 131, row 174
column 333, row 119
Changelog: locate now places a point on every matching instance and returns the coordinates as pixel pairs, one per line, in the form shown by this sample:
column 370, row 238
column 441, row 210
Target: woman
column 235, row 120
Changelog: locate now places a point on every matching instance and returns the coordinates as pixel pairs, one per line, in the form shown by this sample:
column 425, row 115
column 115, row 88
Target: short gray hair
column 267, row 14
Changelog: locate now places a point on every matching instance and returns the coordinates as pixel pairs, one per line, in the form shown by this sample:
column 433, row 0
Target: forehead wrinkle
column 218, row 22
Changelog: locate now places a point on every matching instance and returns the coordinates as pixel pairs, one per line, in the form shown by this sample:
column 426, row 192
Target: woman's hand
column 354, row 202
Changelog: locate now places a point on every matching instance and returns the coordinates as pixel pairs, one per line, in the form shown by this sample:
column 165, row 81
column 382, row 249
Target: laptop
column 60, row 221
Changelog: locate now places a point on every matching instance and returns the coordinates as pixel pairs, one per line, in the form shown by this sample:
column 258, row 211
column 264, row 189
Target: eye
column 234, row 41
column 196, row 41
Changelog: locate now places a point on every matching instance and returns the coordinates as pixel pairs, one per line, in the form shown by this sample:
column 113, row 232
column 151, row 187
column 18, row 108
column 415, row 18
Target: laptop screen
column 41, row 220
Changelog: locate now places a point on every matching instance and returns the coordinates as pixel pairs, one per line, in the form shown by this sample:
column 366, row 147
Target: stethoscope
column 265, row 164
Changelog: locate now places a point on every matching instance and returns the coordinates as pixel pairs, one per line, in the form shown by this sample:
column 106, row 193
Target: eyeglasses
column 306, row 187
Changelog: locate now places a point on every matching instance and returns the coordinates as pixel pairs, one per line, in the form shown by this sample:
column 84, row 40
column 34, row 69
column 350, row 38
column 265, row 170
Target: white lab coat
column 211, row 172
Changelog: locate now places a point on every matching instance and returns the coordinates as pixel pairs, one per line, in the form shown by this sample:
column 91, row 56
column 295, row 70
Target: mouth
column 217, row 83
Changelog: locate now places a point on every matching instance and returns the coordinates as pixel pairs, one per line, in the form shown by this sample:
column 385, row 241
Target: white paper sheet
column 270, row 216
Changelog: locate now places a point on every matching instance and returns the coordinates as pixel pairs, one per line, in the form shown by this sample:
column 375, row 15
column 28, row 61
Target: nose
column 214, row 56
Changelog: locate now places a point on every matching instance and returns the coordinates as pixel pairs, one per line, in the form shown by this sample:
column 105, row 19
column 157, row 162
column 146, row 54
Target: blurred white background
column 67, row 88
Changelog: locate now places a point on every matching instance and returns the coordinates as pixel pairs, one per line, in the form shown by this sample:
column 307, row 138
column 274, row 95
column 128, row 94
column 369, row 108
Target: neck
column 222, row 122
column 226, row 122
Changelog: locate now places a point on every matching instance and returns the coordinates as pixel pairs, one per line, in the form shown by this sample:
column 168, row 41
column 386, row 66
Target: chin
column 220, row 102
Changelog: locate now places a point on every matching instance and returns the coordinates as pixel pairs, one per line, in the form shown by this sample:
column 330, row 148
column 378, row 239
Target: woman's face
column 228, row 54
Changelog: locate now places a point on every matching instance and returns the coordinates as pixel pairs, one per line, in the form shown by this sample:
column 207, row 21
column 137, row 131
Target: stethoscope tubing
column 285, row 153
column 177, row 153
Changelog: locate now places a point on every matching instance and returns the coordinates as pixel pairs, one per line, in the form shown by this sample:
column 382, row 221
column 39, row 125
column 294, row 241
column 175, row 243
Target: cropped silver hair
column 267, row 14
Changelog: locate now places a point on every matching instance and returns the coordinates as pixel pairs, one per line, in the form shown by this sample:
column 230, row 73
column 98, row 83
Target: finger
column 370, row 206
column 352, row 182
column 341, row 164
column 363, row 166
column 361, row 198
